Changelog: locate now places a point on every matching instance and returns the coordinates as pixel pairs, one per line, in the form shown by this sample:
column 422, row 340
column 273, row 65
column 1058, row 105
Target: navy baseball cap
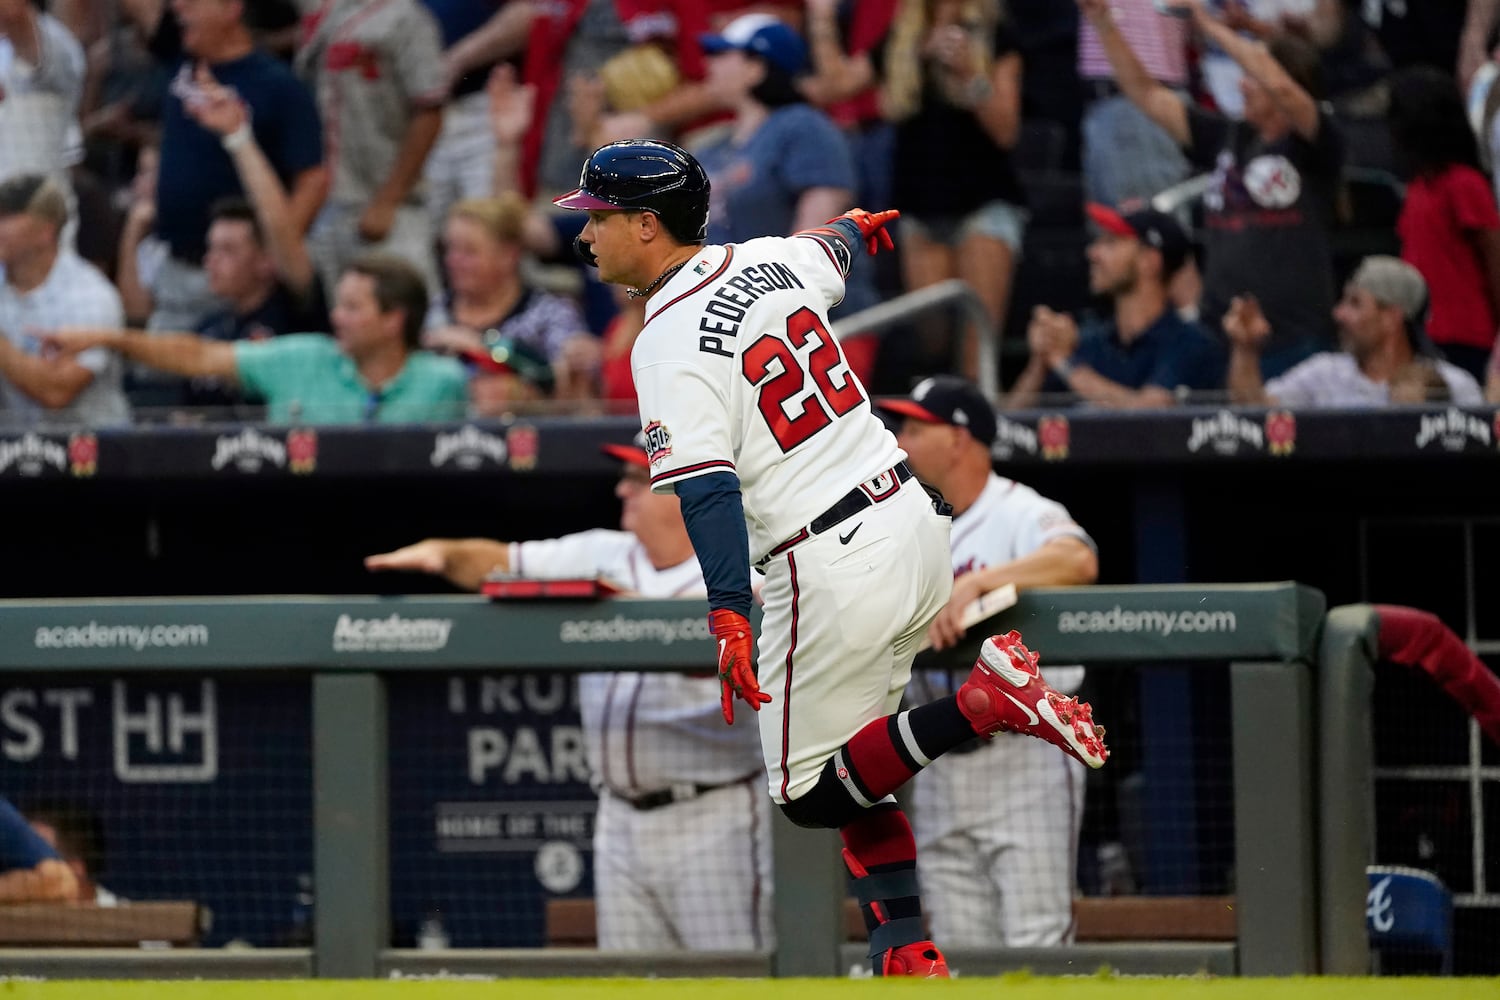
column 948, row 399
column 764, row 36
column 630, row 454
column 1157, row 230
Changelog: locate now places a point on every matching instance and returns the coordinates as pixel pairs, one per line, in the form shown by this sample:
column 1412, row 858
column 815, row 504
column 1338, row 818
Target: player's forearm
column 714, row 512
column 467, row 561
column 1245, row 384
column 420, row 136
column 1062, row 562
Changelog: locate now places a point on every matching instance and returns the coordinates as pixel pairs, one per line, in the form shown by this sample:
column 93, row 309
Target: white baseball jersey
column 695, row 874
column 736, row 370
column 997, row 827
column 645, row 731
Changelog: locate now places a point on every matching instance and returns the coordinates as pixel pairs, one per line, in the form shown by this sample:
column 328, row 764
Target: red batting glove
column 872, row 227
column 736, row 674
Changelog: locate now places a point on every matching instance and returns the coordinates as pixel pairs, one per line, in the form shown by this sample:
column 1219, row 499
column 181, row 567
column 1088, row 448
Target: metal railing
column 953, row 293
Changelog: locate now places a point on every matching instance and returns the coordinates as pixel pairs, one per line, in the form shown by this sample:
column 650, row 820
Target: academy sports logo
column 658, row 442
column 393, row 634
column 31, row 455
column 468, row 448
column 247, row 451
column 1453, row 430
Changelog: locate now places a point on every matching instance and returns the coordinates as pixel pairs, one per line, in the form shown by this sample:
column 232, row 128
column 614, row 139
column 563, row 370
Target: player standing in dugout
column 752, row 416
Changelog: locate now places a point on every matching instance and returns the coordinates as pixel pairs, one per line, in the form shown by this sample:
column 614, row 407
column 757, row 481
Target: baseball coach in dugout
column 754, row 420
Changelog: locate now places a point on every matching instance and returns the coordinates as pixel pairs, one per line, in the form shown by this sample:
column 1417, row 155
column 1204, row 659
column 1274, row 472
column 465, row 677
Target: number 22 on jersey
column 762, row 358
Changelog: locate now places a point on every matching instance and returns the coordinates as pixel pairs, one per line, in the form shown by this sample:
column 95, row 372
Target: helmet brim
column 581, row 201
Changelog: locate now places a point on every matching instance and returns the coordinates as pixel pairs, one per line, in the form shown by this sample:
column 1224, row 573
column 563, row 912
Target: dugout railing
column 1292, row 916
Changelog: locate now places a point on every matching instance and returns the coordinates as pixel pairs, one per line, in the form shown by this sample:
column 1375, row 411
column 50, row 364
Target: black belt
column 852, row 503
column 674, row 793
column 1100, row 90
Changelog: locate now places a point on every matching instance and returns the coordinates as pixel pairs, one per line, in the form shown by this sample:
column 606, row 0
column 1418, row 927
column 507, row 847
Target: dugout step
column 570, row 922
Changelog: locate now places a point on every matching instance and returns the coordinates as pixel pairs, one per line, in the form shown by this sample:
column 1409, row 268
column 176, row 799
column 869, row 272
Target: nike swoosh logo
column 722, row 644
column 844, row 539
column 1030, row 712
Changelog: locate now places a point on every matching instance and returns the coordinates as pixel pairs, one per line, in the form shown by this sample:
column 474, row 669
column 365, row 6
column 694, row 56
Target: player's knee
column 826, row 806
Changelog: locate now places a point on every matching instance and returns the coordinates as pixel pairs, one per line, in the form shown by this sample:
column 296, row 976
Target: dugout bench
column 1268, row 633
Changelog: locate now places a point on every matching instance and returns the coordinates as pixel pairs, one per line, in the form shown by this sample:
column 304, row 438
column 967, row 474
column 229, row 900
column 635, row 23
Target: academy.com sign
column 392, row 634
column 621, row 629
column 1164, row 623
column 137, row 637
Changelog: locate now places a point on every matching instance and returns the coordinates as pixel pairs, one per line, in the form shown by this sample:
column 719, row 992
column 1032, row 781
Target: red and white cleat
column 920, row 960
column 1007, row 693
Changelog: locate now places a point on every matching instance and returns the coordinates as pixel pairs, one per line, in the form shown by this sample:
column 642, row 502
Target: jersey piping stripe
column 728, row 256
column 635, row 697
column 688, row 470
column 824, row 244
column 786, row 693
column 609, row 703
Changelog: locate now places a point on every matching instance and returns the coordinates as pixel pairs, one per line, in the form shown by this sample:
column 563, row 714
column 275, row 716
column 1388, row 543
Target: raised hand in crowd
column 587, row 105
column 1245, row 324
column 214, row 106
column 1051, row 336
column 512, row 104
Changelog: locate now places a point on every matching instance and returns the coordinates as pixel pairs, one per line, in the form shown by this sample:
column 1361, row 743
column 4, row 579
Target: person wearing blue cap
column 784, row 166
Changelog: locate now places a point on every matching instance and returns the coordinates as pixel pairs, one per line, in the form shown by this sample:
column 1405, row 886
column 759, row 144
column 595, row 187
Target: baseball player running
column 996, row 823
column 754, row 420
column 678, row 793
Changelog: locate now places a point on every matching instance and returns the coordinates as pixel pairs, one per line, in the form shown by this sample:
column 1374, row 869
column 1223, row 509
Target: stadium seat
column 1407, row 911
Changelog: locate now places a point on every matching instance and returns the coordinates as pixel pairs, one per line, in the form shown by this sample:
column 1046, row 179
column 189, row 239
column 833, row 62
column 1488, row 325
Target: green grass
column 1010, row 987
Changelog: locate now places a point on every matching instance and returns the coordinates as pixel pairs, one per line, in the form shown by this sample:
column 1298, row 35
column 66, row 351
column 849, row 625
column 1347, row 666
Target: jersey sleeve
column 826, row 260
column 584, row 554
column 1042, row 521
column 687, row 421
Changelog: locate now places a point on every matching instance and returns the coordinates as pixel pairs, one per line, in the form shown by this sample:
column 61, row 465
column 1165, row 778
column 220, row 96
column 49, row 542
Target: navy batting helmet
column 646, row 175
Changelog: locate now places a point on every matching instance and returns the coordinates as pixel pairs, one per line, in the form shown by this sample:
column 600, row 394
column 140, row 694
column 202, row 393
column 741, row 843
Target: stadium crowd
column 339, row 210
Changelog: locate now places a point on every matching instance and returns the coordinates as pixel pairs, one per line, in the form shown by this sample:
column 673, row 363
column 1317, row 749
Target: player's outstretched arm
column 845, row 234
column 464, row 562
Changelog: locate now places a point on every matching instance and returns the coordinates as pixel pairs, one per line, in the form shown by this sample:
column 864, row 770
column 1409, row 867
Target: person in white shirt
column 41, row 84
column 45, row 286
column 679, row 794
column 997, row 822
column 1380, row 329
